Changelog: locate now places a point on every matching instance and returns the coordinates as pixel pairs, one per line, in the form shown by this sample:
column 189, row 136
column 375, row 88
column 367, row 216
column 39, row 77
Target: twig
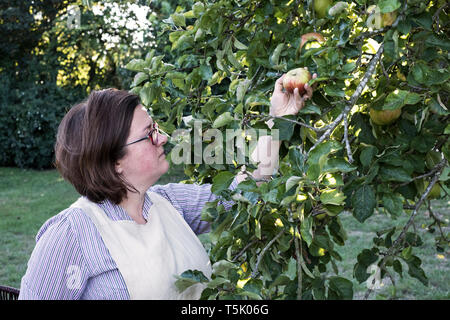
column 436, row 221
column 401, row 237
column 433, row 181
column 436, row 15
column 421, row 176
column 299, row 123
column 353, row 98
column 347, row 143
column 298, row 249
column 244, row 249
column 261, row 255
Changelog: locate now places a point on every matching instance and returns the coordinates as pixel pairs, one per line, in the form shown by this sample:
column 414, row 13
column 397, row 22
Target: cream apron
column 149, row 255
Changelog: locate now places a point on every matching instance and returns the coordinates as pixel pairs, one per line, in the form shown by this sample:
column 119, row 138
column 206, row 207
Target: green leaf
column 343, row 287
column 296, row 159
column 291, row 273
column 292, row 181
column 398, row 267
column 393, row 204
column 139, row 78
column 407, row 253
column 242, row 89
column 367, row 155
column 179, row 19
column 399, row 98
column 286, row 128
column 222, row 181
column 147, row 94
column 333, row 196
column 313, row 172
column 222, row 120
column 205, row 72
column 364, row 202
column 416, row 271
column 189, row 278
column 239, row 45
column 388, row 5
column 306, row 230
column 335, row 91
column 222, row 267
column 184, row 41
column 367, row 257
column 275, row 57
column 319, row 154
column 388, row 173
column 216, row 282
column 250, row 295
column 338, row 165
column 136, row 65
column 198, row 8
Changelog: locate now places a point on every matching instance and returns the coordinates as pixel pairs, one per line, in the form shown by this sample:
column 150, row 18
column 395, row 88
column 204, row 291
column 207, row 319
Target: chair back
column 9, row 293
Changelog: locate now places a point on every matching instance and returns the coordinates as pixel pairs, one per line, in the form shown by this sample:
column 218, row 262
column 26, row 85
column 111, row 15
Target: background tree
column 278, row 241
column 46, row 66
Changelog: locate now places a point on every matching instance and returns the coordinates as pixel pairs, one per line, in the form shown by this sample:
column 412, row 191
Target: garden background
column 53, row 53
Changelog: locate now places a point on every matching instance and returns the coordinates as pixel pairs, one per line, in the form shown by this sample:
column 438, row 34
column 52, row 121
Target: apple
column 312, row 36
column 296, row 78
column 422, row 185
column 321, row 7
column 389, row 18
column 377, row 20
column 384, row 117
column 435, row 192
column 432, row 158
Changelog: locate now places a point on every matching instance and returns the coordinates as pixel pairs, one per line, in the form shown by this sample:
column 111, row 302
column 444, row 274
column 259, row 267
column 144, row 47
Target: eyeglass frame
column 155, row 127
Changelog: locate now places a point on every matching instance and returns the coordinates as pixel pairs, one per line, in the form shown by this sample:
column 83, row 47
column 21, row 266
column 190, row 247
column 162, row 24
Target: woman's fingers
column 299, row 100
column 279, row 84
column 309, row 90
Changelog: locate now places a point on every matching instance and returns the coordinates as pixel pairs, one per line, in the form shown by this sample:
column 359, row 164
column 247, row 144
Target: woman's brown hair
column 90, row 141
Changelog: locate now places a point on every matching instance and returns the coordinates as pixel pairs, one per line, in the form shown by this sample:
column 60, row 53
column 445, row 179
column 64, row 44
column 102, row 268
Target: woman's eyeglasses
column 153, row 135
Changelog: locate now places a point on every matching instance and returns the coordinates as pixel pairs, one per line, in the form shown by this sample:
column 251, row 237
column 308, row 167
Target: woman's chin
column 165, row 166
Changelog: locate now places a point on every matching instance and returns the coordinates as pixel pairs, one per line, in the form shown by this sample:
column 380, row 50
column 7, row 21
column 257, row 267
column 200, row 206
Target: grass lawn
column 28, row 198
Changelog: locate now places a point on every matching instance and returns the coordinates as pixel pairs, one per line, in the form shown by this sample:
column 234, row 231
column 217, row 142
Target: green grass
column 28, row 198
column 435, row 264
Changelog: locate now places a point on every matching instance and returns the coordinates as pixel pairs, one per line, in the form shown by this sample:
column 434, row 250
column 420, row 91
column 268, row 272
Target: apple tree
column 374, row 139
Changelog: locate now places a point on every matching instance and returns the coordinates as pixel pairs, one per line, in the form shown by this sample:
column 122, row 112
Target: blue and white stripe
column 70, row 260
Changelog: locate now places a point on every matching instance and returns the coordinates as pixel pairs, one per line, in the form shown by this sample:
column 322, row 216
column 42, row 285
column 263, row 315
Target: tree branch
column 298, row 249
column 402, row 235
column 261, row 255
column 347, row 143
column 436, row 15
column 355, row 96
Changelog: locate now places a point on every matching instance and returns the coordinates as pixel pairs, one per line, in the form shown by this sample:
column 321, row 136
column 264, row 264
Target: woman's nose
column 162, row 139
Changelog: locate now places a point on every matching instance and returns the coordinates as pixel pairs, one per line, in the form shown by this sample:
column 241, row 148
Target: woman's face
column 144, row 163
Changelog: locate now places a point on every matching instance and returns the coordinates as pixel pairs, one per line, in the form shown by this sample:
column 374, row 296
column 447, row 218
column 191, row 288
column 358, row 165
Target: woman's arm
column 282, row 103
column 189, row 200
column 56, row 269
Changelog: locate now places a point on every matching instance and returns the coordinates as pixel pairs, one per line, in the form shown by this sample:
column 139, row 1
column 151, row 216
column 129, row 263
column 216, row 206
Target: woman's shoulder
column 71, row 220
column 72, row 230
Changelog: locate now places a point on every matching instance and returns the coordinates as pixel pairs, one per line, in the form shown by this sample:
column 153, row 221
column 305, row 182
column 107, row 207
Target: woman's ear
column 118, row 167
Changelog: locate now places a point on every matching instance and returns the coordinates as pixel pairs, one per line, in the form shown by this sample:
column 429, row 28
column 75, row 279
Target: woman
column 124, row 238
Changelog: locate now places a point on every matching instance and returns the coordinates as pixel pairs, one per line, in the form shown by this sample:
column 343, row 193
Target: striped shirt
column 70, row 260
